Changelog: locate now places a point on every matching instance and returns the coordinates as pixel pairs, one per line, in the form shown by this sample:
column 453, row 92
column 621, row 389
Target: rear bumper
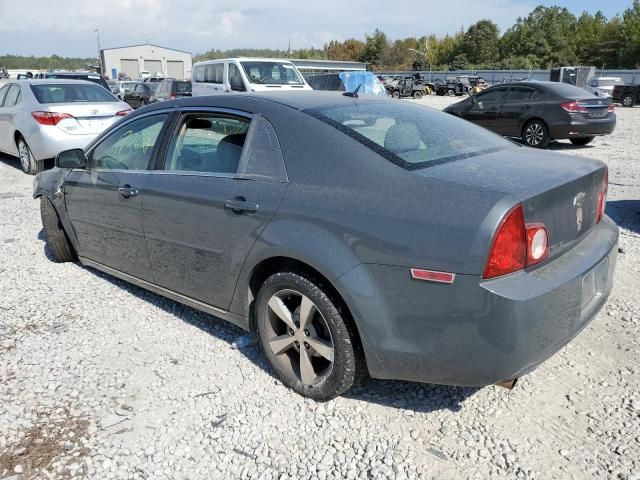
column 583, row 127
column 47, row 141
column 476, row 332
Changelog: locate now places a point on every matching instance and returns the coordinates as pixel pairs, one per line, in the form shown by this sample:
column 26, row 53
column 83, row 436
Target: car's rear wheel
column 627, row 100
column 451, row 93
column 395, row 94
column 305, row 337
column 28, row 164
column 417, row 94
column 582, row 140
column 535, row 134
column 54, row 233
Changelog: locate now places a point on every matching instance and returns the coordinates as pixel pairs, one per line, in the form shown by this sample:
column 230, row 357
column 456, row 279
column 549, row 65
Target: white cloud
column 65, row 27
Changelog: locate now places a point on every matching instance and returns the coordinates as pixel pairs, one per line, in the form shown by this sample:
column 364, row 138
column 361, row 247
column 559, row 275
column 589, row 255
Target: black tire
column 536, row 134
column 628, row 100
column 582, row 140
column 347, row 367
column 54, row 233
column 417, row 94
column 395, row 94
column 28, row 163
column 451, row 93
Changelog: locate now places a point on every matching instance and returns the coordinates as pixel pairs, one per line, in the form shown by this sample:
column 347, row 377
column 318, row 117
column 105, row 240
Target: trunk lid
column 560, row 191
column 596, row 107
column 90, row 118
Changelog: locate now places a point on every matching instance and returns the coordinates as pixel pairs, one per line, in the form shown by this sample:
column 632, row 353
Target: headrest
column 403, row 137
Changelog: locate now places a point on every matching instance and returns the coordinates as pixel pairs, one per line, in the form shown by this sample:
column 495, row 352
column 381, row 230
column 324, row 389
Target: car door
column 514, row 111
column 221, row 181
column 4, row 118
column 133, row 95
column 483, row 110
column 103, row 200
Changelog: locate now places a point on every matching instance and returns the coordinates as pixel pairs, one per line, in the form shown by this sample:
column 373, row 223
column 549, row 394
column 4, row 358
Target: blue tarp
column 369, row 83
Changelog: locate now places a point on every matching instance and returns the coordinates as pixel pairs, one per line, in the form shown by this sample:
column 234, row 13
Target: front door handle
column 240, row 205
column 127, row 191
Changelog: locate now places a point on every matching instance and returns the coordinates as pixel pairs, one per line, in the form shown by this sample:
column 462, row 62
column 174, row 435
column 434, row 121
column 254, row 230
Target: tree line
column 546, row 38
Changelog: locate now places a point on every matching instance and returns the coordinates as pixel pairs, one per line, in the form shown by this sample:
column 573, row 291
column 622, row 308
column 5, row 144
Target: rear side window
column 211, row 73
column 70, row 93
column 3, row 94
column 493, row 95
column 410, row 135
column 182, row 87
column 13, row 96
column 520, row 94
column 208, row 144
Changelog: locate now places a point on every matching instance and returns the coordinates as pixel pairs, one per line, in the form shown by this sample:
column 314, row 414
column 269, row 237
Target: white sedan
column 40, row 118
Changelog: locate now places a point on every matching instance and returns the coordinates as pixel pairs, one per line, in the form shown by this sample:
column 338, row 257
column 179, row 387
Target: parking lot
column 102, row 379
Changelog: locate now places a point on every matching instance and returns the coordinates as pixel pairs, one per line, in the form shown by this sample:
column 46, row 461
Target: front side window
column 493, row 95
column 235, row 78
column 71, row 93
column 410, row 135
column 272, row 73
column 3, row 94
column 130, row 146
column 207, row 143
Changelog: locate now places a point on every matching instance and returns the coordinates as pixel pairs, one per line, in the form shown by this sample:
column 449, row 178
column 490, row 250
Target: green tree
column 374, row 47
column 481, row 43
column 630, row 51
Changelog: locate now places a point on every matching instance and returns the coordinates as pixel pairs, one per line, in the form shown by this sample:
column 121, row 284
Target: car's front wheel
column 535, row 134
column 395, row 94
column 582, row 140
column 305, row 337
column 28, row 164
column 57, row 240
column 417, row 94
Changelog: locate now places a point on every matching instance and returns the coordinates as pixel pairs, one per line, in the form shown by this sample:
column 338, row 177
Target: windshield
column 412, row 136
column 608, row 82
column 60, row 93
column 272, row 73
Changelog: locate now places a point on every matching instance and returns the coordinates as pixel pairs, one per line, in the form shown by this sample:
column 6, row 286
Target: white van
column 245, row 75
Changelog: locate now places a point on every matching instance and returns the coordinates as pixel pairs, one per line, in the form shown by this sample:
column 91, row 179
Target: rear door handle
column 128, row 192
column 240, row 205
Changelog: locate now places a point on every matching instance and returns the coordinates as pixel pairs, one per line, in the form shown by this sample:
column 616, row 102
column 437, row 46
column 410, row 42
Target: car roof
column 247, row 59
column 53, row 81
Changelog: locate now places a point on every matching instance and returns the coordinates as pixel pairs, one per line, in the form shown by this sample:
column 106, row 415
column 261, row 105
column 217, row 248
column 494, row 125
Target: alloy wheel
column 25, row 155
column 627, row 101
column 299, row 337
column 534, row 134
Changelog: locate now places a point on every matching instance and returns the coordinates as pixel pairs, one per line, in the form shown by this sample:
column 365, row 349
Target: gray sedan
column 354, row 236
column 39, row 118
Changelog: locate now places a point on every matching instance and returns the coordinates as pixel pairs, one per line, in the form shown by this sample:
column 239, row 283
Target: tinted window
column 3, row 93
column 130, row 146
column 410, row 135
column 568, row 91
column 493, row 95
column 520, row 94
column 182, row 87
column 61, row 93
column 207, row 143
column 13, row 96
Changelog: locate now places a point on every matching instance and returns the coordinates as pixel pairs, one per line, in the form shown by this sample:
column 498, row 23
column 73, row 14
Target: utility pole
column 100, row 66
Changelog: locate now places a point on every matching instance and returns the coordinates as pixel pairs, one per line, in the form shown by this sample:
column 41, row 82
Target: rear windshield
column 412, row 136
column 570, row 91
column 182, row 87
column 61, row 93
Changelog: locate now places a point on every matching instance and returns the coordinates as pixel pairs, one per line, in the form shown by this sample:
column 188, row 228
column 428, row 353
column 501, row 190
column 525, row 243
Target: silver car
column 40, row 118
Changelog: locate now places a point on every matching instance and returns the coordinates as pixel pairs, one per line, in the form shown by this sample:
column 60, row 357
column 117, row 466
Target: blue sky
column 66, row 27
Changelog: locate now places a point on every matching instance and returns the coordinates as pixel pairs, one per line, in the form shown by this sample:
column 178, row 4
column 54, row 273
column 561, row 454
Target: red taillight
column 574, row 107
column 173, row 96
column 122, row 113
column 509, row 250
column 516, row 245
column 432, row 275
column 611, row 107
column 602, row 195
column 49, row 118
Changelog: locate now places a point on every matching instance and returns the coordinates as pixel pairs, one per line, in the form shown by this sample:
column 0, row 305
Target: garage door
column 129, row 68
column 175, row 69
column 153, row 67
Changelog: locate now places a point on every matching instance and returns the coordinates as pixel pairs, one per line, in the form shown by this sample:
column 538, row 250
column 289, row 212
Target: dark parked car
column 538, row 112
column 139, row 94
column 171, row 89
column 89, row 77
column 420, row 248
column 626, row 95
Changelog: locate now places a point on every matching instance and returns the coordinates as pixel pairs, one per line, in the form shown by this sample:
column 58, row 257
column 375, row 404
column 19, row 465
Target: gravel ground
column 104, row 380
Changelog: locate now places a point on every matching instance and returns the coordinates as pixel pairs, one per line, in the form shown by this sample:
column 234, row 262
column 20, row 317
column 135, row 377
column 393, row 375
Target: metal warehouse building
column 158, row 61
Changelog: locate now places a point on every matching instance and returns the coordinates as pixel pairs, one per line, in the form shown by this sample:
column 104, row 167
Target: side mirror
column 480, row 105
column 73, row 158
